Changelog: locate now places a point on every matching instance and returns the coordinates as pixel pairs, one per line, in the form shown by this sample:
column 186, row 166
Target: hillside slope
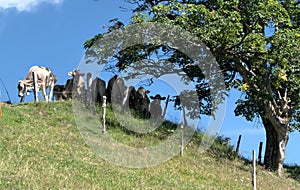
column 41, row 148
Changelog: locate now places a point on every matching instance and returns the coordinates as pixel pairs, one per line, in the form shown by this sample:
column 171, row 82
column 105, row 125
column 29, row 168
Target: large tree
column 256, row 43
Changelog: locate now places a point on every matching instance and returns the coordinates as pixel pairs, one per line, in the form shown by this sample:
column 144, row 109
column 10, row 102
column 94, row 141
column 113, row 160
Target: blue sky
column 51, row 33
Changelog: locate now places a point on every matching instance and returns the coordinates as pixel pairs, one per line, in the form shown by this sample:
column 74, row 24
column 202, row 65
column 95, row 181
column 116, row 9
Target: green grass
column 41, row 148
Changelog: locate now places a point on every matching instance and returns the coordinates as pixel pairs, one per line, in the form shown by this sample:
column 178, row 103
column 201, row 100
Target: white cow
column 45, row 79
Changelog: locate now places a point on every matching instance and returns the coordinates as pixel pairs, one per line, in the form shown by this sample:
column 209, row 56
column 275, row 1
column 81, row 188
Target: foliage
column 235, row 33
column 158, row 57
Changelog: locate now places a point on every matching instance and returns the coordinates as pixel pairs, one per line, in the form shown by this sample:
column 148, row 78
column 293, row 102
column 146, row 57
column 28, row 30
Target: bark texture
column 275, row 151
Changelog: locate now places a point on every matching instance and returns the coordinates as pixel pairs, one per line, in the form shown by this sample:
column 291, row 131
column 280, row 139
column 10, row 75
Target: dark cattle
column 118, row 93
column 116, row 90
column 131, row 100
column 98, row 89
column 128, row 99
column 142, row 102
column 45, row 79
column 76, row 84
column 59, row 92
column 155, row 108
column 68, row 88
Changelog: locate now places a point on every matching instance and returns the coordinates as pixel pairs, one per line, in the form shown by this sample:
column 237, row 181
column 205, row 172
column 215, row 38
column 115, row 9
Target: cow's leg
column 44, row 93
column 37, row 93
column 22, row 98
column 51, row 91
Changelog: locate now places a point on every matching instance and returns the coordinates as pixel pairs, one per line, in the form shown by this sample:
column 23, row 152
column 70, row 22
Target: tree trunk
column 275, row 147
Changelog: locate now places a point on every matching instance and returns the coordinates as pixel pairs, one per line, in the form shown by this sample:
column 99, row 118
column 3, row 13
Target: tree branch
column 245, row 73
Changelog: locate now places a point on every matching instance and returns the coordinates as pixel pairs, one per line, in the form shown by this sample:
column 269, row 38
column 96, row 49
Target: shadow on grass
column 293, row 172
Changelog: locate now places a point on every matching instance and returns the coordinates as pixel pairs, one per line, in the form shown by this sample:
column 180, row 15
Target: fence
column 259, row 160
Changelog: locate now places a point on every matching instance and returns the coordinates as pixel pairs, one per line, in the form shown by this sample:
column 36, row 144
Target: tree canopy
column 256, row 44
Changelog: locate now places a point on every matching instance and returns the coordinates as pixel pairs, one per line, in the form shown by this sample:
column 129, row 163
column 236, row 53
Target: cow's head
column 141, row 93
column 21, row 88
column 157, row 97
column 75, row 72
column 54, row 78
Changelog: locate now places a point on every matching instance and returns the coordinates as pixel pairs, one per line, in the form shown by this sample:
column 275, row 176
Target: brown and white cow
column 155, row 107
column 45, row 79
column 75, row 85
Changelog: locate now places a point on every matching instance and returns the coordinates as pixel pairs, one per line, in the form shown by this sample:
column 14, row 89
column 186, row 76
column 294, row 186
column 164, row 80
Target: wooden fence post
column 259, row 153
column 103, row 114
column 238, row 146
column 254, row 170
column 0, row 109
column 181, row 139
column 166, row 106
column 184, row 123
column 35, row 85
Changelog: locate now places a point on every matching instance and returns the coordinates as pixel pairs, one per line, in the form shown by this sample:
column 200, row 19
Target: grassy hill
column 41, row 148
